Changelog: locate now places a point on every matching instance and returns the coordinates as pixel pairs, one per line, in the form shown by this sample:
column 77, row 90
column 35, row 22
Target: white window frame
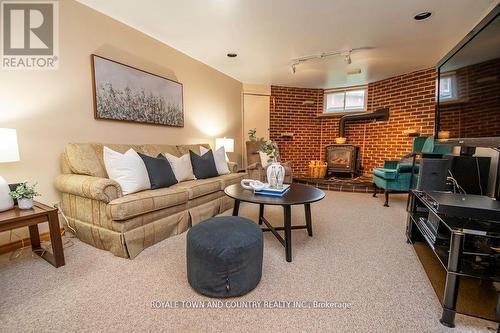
column 453, row 87
column 344, row 90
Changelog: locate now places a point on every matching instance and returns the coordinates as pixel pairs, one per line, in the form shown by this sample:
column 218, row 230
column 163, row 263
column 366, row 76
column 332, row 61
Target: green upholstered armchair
column 402, row 175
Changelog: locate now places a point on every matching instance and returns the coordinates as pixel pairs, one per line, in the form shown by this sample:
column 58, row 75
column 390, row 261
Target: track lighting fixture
column 345, row 53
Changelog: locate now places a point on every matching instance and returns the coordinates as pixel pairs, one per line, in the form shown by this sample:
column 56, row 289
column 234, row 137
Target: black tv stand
column 467, row 245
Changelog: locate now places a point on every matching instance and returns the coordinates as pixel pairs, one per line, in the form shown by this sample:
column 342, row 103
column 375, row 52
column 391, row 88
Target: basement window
column 345, row 100
column 447, row 87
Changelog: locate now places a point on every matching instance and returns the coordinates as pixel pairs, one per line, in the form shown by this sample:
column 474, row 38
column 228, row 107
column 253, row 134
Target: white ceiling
column 268, row 34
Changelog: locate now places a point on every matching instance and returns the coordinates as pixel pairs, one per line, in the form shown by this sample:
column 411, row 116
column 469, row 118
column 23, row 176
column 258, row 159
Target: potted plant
column 252, row 134
column 24, row 195
column 270, row 148
column 275, row 171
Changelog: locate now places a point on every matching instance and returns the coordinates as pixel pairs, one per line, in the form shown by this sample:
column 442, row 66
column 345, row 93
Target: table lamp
column 9, row 152
column 227, row 143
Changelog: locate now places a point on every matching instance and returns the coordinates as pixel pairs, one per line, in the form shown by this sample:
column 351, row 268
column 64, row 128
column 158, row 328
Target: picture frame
column 125, row 93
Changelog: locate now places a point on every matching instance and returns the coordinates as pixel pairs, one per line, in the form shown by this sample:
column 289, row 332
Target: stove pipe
column 379, row 114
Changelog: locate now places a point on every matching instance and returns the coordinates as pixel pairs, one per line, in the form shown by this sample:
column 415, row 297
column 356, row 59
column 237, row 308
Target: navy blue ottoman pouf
column 224, row 256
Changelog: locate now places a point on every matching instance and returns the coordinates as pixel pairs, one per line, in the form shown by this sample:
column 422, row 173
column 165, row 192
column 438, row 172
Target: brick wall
column 291, row 112
column 474, row 112
column 410, row 98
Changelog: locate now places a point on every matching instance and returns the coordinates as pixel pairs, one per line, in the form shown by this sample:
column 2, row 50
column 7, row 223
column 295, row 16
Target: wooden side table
column 40, row 213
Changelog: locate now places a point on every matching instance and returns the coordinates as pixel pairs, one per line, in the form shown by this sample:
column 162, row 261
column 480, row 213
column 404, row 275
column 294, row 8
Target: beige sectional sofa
column 125, row 225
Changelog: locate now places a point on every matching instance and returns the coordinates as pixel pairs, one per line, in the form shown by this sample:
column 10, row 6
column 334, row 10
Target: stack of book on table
column 276, row 192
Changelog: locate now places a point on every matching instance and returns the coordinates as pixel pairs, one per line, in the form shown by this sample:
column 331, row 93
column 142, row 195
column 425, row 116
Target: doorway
column 255, row 115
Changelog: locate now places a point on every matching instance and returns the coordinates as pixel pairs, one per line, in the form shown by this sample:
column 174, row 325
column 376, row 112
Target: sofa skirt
column 129, row 244
column 98, row 237
column 138, row 239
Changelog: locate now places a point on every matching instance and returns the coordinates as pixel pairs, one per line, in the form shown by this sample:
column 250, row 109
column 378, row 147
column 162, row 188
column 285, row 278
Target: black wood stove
column 342, row 159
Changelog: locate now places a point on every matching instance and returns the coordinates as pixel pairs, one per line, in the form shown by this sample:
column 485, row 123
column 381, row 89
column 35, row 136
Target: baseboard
column 9, row 247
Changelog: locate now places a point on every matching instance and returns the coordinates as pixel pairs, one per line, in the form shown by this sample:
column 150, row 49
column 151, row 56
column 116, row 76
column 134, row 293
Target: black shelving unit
column 465, row 247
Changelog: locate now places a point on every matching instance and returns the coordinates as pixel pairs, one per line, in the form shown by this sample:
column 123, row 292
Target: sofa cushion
column 204, row 165
column 199, row 187
column 204, row 199
column 127, row 169
column 184, row 149
column 146, row 218
column 83, row 159
column 230, row 179
column 181, row 167
column 159, row 171
column 143, row 202
column 153, row 150
column 87, row 158
column 385, row 173
column 220, row 159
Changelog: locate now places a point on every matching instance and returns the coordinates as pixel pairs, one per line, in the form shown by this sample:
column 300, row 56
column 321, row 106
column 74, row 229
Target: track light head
column 348, row 59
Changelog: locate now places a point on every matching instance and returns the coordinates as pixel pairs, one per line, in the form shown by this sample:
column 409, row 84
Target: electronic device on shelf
column 433, row 173
column 463, row 205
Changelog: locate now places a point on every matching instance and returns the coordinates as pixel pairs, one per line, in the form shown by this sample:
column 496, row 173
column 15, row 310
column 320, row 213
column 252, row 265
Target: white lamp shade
column 227, row 143
column 9, row 151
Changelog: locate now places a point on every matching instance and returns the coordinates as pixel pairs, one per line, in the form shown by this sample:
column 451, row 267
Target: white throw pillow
column 219, row 158
column 127, row 169
column 181, row 166
column 265, row 160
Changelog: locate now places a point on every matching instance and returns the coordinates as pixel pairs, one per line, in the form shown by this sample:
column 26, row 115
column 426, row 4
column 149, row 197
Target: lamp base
column 6, row 202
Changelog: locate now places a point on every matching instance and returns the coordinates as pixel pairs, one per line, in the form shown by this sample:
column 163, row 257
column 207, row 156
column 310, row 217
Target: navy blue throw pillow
column 203, row 166
column 159, row 171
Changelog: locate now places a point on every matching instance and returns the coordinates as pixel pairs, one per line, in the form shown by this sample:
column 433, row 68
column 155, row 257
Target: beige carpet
column 358, row 255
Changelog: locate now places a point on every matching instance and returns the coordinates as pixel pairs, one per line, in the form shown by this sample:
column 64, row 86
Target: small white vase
column 25, row 203
column 275, row 173
column 6, row 202
column 280, row 177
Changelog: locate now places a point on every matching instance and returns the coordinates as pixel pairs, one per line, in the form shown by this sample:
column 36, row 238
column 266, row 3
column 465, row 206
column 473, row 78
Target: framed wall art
column 125, row 93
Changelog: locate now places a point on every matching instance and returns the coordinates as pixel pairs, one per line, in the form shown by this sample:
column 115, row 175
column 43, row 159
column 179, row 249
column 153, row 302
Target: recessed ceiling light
column 232, row 55
column 422, row 16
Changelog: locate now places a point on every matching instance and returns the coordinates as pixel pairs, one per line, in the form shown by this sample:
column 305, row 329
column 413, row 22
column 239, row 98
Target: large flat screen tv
column 468, row 86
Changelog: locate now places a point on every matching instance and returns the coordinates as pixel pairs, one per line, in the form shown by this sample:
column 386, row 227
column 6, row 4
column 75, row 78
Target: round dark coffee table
column 298, row 194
